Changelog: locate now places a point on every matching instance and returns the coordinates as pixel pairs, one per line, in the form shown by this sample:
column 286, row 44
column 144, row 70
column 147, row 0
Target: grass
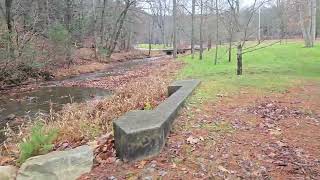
column 39, row 142
column 83, row 122
column 153, row 46
column 271, row 69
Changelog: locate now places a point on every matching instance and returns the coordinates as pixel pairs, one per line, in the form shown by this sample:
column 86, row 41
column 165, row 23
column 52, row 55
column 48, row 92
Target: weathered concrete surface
column 58, row 165
column 141, row 134
column 8, row 172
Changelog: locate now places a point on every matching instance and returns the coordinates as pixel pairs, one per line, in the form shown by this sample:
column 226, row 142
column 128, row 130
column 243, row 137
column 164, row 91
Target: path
column 258, row 136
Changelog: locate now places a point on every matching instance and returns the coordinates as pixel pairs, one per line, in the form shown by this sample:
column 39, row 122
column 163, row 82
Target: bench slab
column 142, row 134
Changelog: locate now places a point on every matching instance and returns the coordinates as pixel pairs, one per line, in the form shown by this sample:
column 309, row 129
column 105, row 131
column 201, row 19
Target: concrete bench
column 142, row 134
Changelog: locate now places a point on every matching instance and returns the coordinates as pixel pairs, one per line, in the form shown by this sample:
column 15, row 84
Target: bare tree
column 174, row 16
column 68, row 17
column 281, row 12
column 118, row 27
column 243, row 28
column 307, row 17
column 192, row 27
column 217, row 33
column 201, row 30
column 9, row 22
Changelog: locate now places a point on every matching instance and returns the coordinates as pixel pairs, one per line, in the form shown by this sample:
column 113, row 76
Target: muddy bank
column 54, row 94
column 29, row 101
column 87, row 64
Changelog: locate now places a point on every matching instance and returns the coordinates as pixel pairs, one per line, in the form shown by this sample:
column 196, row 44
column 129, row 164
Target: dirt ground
column 248, row 135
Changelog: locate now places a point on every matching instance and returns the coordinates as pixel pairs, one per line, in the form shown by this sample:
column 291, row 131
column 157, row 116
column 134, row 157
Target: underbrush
column 21, row 72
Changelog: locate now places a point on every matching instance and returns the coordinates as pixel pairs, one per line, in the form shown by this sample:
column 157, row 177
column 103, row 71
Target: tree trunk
column 8, row 5
column 230, row 48
column 306, row 22
column 102, row 22
column 129, row 41
column 150, row 38
column 118, row 28
column 201, row 26
column 68, row 27
column 239, row 59
column 174, row 28
column 192, row 27
column 314, row 20
column 217, row 34
column 95, row 48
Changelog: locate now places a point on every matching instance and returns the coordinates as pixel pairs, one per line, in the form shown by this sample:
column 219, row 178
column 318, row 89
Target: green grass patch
column 272, row 69
column 219, row 127
column 40, row 142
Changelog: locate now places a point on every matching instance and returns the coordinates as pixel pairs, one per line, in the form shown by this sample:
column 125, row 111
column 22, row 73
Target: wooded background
column 41, row 33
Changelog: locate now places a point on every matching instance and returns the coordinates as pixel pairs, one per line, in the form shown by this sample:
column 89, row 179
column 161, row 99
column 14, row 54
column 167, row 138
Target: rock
column 11, row 117
column 112, row 178
column 147, row 178
column 8, row 172
column 162, row 173
column 58, row 165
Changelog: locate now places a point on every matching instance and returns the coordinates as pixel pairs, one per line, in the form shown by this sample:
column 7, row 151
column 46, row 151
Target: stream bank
column 41, row 98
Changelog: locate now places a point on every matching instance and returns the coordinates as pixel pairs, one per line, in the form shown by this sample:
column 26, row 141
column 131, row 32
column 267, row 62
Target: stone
column 58, row 165
column 147, row 178
column 142, row 134
column 112, row 178
column 11, row 117
column 8, row 172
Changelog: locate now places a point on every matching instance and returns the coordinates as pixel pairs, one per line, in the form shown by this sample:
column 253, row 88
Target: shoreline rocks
column 8, row 172
column 58, row 165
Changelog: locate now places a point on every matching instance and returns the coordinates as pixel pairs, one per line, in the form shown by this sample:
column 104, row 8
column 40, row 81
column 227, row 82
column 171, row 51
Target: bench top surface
column 136, row 121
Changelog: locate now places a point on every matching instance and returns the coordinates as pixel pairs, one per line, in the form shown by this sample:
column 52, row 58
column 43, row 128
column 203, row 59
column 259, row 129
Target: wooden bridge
column 179, row 51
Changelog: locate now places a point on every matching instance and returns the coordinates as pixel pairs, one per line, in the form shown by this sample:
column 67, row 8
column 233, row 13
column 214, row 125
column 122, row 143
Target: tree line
column 46, row 32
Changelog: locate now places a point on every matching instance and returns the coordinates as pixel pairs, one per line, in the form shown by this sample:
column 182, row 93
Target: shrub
column 59, row 34
column 39, row 142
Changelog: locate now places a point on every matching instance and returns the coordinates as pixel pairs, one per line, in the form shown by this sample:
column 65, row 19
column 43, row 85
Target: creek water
column 54, row 95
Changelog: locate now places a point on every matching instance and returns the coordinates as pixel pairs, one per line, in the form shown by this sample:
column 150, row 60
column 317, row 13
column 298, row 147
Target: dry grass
column 80, row 123
column 78, row 69
column 91, row 119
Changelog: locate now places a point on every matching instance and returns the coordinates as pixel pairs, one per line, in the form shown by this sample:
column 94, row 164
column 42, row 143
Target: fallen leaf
column 221, row 168
column 142, row 164
column 5, row 159
column 274, row 132
column 174, row 165
column 192, row 140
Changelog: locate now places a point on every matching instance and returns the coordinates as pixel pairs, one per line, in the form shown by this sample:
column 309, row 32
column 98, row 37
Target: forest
column 159, row 89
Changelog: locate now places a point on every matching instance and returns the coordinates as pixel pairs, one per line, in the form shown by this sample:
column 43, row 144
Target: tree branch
column 261, row 47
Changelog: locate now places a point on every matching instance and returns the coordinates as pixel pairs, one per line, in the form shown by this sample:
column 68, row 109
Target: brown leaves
column 291, row 159
column 193, row 140
column 105, row 152
column 274, row 111
column 4, row 160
